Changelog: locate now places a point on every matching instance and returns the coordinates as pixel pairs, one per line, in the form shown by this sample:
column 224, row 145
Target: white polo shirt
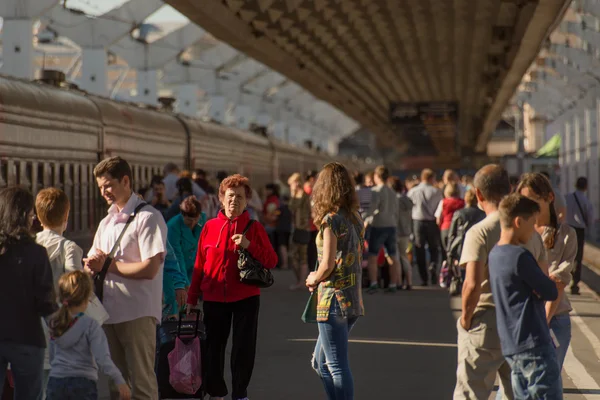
column 129, row 299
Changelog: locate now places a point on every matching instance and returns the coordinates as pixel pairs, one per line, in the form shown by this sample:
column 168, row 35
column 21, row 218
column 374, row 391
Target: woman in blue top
column 184, row 234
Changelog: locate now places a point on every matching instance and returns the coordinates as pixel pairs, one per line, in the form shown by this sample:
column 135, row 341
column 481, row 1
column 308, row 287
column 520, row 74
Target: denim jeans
column 330, row 359
column 535, row 374
column 27, row 366
column 75, row 388
column 561, row 326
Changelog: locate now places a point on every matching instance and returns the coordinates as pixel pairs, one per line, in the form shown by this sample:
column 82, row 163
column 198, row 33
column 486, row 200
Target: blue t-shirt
column 519, row 288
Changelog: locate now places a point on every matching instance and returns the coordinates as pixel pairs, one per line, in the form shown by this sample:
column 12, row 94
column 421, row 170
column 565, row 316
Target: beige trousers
column 132, row 348
column 480, row 358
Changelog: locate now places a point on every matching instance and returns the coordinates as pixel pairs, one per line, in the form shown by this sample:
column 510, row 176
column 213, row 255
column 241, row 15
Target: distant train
column 54, row 136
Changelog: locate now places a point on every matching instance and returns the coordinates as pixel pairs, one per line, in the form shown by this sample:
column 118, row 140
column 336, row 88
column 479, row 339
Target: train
column 53, row 134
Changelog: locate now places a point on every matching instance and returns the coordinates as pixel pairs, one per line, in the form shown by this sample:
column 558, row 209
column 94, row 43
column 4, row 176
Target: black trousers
column 427, row 232
column 218, row 318
column 579, row 257
column 311, row 255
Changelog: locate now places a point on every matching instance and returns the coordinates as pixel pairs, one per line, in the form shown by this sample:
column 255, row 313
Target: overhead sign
column 426, row 125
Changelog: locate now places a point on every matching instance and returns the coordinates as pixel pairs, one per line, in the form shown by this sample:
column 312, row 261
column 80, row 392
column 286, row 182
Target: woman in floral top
column 338, row 277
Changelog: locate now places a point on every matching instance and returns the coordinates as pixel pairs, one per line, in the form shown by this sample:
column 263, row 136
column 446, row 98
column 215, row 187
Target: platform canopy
column 362, row 55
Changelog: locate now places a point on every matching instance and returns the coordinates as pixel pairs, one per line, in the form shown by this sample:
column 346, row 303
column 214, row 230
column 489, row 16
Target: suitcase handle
column 181, row 315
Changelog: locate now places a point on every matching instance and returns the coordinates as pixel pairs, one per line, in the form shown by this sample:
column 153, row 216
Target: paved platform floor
column 404, row 348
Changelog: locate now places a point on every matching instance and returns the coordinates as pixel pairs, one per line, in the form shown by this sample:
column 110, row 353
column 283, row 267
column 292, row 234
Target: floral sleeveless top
column 345, row 280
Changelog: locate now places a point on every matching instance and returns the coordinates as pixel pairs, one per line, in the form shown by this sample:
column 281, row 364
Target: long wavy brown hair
column 333, row 192
column 541, row 186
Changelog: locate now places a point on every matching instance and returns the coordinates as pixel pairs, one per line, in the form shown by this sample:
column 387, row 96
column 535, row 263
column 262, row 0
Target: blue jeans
column 561, row 326
column 27, row 366
column 535, row 374
column 75, row 388
column 330, row 359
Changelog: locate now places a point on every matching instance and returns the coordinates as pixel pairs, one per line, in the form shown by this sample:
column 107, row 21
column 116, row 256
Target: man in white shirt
column 133, row 285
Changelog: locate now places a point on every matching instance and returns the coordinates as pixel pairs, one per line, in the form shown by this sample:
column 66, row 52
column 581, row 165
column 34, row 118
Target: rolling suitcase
column 167, row 332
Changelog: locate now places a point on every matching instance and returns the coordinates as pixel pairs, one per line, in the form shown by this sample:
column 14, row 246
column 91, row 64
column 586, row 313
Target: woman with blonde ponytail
column 78, row 345
column 560, row 242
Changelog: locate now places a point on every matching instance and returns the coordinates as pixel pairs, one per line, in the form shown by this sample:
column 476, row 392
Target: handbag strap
column 583, row 214
column 118, row 241
column 248, row 227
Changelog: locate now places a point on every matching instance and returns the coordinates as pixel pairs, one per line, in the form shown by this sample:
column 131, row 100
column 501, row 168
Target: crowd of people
column 514, row 246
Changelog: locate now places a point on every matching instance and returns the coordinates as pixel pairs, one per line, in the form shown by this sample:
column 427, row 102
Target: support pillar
column 280, row 131
column 17, row 48
column 147, row 86
column 243, row 117
column 94, row 70
column 187, row 99
column 218, row 108
column 592, row 156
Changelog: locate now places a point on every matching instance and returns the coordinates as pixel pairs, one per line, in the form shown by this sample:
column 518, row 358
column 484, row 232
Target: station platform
column 403, row 348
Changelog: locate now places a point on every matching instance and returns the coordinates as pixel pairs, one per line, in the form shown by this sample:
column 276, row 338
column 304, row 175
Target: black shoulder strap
column 116, row 245
column 247, row 227
column 583, row 214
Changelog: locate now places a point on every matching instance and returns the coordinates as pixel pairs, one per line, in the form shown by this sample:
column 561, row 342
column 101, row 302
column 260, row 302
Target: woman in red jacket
column 217, row 279
column 451, row 203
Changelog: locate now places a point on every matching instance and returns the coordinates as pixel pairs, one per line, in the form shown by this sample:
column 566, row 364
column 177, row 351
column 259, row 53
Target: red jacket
column 216, row 275
column 449, row 206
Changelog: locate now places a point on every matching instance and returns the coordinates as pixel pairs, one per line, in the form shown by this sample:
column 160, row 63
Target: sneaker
column 407, row 287
column 373, row 289
column 392, row 289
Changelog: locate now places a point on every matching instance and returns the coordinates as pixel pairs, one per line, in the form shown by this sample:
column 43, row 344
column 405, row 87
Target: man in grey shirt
column 580, row 215
column 382, row 216
column 426, row 198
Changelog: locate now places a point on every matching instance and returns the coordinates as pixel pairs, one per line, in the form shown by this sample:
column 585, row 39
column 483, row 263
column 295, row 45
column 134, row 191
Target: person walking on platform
column 216, row 278
column 382, row 218
column 580, row 215
column 300, row 207
column 479, row 352
column 338, row 277
column 426, row 198
column 133, row 285
column 26, row 295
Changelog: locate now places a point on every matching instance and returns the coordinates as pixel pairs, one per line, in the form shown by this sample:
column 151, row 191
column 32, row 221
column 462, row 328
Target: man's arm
column 146, row 269
column 471, row 291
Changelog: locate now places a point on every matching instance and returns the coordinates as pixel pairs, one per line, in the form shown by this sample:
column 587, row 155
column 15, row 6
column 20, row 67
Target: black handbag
column 252, row 272
column 101, row 276
column 301, row 236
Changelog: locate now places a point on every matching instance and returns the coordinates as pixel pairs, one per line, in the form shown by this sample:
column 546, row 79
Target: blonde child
column 78, row 345
column 52, row 209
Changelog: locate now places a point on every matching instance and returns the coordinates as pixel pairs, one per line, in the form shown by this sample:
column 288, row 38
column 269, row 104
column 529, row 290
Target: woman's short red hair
column 235, row 181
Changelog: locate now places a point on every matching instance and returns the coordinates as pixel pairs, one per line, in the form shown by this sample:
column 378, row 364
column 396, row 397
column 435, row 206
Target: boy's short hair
column 516, row 205
column 51, row 206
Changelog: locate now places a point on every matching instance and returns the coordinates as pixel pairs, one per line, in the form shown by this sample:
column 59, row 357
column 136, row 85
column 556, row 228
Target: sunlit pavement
column 403, row 348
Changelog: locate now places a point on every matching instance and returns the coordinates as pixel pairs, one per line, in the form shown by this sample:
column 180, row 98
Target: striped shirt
column 364, row 199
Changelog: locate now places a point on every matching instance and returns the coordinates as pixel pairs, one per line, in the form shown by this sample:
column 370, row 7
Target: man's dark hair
column 184, row 185
column 382, row 172
column 359, row 178
column 156, row 180
column 311, row 174
column 582, row 183
column 221, row 175
column 514, row 180
column 200, row 172
column 492, row 181
column 515, row 205
column 116, row 167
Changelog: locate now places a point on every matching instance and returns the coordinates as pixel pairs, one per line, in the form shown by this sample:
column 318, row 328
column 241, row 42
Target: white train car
column 53, row 136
